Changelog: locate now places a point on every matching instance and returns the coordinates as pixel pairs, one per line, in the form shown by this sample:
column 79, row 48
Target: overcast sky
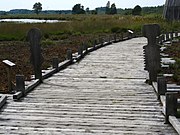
column 68, row 4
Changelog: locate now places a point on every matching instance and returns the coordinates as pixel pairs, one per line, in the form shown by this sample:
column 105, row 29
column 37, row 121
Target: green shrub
column 47, row 42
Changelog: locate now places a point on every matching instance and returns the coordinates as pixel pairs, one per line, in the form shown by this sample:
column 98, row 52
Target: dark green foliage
column 108, row 10
column 118, row 30
column 78, row 9
column 87, row 11
column 153, row 10
column 113, row 9
column 37, row 7
column 137, row 10
column 94, row 12
column 127, row 11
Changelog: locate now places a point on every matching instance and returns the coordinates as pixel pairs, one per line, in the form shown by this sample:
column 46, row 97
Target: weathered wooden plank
column 103, row 94
column 2, row 101
column 175, row 123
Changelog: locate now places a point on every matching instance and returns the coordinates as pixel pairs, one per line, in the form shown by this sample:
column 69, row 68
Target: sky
column 7, row 5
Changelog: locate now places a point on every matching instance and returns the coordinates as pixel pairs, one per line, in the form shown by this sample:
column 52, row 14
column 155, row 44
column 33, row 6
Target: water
column 30, row 21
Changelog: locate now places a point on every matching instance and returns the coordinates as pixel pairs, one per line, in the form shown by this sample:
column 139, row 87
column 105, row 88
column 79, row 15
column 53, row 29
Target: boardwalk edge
column 2, row 101
column 76, row 58
column 172, row 119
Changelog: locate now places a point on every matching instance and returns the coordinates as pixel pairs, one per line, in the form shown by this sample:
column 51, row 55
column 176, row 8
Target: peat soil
column 18, row 52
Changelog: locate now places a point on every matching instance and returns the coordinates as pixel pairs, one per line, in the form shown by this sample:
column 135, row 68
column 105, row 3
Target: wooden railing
column 34, row 37
column 167, row 94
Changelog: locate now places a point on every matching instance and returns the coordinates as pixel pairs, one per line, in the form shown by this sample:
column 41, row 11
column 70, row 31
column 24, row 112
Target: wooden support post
column 55, row 62
column 176, row 34
column 9, row 65
column 115, row 38
column 34, row 37
column 171, row 36
column 102, row 41
column 167, row 36
column 94, row 44
column 152, row 50
column 122, row 36
column 109, row 39
column 69, row 54
column 161, row 86
column 163, row 37
column 80, row 50
column 171, row 105
column 20, row 84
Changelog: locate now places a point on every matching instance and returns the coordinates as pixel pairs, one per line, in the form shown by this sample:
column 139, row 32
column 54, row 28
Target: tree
column 113, row 9
column 87, row 11
column 137, row 10
column 94, row 12
column 78, row 9
column 108, row 10
column 37, row 7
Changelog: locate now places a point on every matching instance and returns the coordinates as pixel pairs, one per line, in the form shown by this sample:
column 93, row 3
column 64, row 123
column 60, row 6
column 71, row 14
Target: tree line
column 109, row 9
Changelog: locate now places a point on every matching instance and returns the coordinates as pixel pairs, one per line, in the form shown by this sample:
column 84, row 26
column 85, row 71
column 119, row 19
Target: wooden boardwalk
column 104, row 94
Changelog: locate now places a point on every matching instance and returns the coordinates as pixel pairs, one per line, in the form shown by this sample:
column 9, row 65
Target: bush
column 47, row 42
column 118, row 30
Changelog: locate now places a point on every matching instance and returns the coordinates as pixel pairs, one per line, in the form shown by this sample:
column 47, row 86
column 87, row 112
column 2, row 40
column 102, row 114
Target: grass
column 81, row 24
column 58, row 37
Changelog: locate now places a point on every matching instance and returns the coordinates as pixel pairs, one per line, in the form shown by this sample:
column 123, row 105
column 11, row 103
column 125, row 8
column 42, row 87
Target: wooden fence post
column 20, row 84
column 55, row 62
column 176, row 34
column 171, row 36
column 161, row 86
column 34, row 37
column 94, row 44
column 115, row 38
column 167, row 36
column 152, row 50
column 171, row 105
column 80, row 50
column 9, row 65
column 69, row 54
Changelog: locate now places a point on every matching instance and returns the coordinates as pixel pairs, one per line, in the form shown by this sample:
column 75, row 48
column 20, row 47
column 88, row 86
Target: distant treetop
column 37, row 7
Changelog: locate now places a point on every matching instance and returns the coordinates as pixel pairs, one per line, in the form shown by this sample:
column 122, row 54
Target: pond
column 30, row 21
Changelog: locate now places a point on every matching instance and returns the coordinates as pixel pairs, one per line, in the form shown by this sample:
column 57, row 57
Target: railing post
column 161, row 86
column 9, row 65
column 20, row 84
column 163, row 37
column 34, row 37
column 102, row 41
column 115, row 38
column 94, row 44
column 171, row 105
column 80, row 50
column 109, row 41
column 122, row 36
column 167, row 36
column 69, row 54
column 55, row 62
column 152, row 50
column 176, row 34
column 171, row 36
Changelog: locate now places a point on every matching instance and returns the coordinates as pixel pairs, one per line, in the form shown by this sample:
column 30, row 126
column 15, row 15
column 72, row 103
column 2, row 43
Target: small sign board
column 8, row 63
column 130, row 31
